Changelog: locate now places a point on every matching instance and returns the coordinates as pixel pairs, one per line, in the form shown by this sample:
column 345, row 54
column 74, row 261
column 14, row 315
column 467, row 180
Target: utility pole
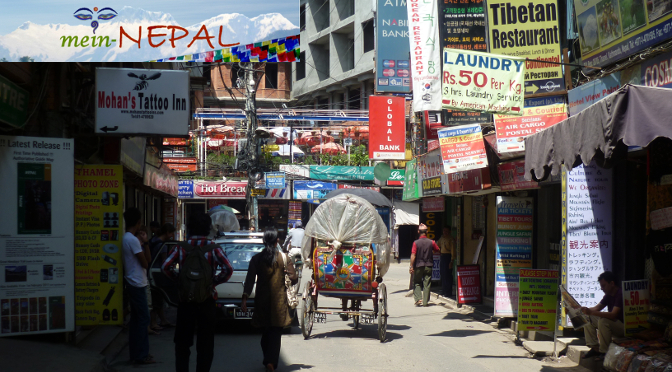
column 252, row 145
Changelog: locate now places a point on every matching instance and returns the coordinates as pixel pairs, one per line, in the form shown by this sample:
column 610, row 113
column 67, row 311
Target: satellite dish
column 382, row 171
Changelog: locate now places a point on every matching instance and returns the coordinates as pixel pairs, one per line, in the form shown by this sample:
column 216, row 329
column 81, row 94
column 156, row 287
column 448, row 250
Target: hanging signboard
column 585, row 95
column 162, row 179
column 587, row 231
column 468, row 284
column 174, row 141
column 462, row 148
column 387, row 128
column 37, row 287
column 636, row 300
column 304, row 190
column 512, row 176
column 99, row 190
column 471, row 180
column 520, row 28
column 181, row 164
column 185, row 189
column 431, row 178
column 13, row 103
column 511, row 131
column 341, row 173
column 218, row 189
column 348, row 186
column 397, row 177
column 513, row 251
column 426, row 54
column 436, row 204
column 537, row 300
column 462, row 25
column 393, row 68
column 476, row 81
column 411, row 189
column 275, row 180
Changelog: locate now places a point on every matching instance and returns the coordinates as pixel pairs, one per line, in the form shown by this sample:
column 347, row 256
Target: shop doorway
column 191, row 208
column 407, row 235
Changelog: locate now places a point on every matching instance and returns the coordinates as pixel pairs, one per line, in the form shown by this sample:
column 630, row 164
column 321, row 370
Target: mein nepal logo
column 83, row 16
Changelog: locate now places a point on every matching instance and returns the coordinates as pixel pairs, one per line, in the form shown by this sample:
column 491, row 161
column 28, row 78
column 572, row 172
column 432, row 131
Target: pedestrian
column 155, row 228
column 422, row 261
column 608, row 323
column 136, row 261
column 197, row 316
column 271, row 310
column 167, row 233
column 447, row 245
column 142, row 233
column 294, row 239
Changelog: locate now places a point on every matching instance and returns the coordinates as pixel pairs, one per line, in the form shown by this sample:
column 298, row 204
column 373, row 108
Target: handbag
column 292, row 299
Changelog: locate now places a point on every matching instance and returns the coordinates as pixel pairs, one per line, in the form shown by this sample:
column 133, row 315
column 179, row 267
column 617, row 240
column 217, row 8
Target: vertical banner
column 387, row 128
column 514, row 250
column 294, row 214
column 511, row 131
column 462, row 148
column 538, row 301
column 37, row 292
column 98, row 234
column 587, row 249
column 423, row 26
column 636, row 300
column 393, row 68
column 411, row 188
column 468, row 284
column 525, row 29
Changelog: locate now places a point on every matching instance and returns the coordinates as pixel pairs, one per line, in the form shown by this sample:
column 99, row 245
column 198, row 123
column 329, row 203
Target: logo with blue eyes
column 101, row 14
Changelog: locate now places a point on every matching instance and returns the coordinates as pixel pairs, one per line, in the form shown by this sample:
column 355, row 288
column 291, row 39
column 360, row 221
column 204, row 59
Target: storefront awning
column 631, row 116
column 406, row 213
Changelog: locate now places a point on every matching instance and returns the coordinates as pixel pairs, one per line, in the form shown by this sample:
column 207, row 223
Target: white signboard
column 37, row 289
column 423, row 22
column 295, row 170
column 139, row 101
column 587, row 231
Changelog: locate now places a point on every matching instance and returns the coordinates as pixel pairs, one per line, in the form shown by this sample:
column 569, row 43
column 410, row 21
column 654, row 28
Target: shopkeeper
column 606, row 324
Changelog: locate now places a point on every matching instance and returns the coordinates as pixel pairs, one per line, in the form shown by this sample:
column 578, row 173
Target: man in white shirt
column 294, row 239
column 136, row 260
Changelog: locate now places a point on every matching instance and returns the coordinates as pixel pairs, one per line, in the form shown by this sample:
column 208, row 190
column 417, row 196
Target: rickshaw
column 347, row 246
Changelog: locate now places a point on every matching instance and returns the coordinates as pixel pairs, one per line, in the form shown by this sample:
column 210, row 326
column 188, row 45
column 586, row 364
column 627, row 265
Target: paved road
column 434, row 338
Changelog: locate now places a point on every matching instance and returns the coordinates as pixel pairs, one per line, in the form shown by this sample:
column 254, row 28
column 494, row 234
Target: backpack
column 194, row 283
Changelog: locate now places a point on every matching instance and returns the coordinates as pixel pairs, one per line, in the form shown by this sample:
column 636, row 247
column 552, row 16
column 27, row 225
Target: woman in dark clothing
column 271, row 311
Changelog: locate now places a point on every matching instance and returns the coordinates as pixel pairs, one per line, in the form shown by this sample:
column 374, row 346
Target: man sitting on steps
column 606, row 324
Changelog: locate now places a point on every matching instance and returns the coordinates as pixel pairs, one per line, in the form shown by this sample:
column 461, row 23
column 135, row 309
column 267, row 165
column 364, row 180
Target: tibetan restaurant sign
column 387, row 128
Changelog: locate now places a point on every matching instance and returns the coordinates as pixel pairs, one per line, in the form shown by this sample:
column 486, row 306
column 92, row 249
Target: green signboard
column 13, row 103
column 537, row 299
column 411, row 189
column 341, row 173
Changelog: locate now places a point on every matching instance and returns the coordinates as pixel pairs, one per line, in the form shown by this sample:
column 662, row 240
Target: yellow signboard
column 98, row 235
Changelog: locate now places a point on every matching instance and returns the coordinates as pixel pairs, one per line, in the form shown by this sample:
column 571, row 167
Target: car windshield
column 240, row 254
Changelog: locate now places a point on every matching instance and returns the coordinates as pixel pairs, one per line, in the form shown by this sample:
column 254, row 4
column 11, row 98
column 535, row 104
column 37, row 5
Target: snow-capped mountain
column 44, row 43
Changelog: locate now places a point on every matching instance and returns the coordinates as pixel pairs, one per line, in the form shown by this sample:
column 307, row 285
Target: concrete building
column 337, row 55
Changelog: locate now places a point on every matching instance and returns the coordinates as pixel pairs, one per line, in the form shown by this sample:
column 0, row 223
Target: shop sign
column 513, row 252
column 432, row 120
column 432, row 145
column 132, row 154
column 275, row 180
column 423, row 35
column 38, row 233
column 431, row 178
column 185, row 189
column 387, row 128
column 162, row 179
column 512, row 130
column 397, row 177
column 13, row 103
column 347, row 186
column 341, row 173
column 462, row 148
column 610, row 31
column 585, row 95
column 412, row 190
column 170, row 212
column 220, row 189
column 436, row 204
column 295, row 170
column 471, row 180
column 512, row 176
column 393, row 68
column 436, row 267
column 587, row 231
column 636, row 300
column 477, row 81
column 174, row 141
column 468, row 284
column 544, row 101
column 462, row 25
column 141, row 101
column 283, row 193
column 99, row 190
column 537, row 300
column 294, row 214
column 257, row 192
column 657, row 71
column 514, row 31
column 304, row 190
column 181, row 164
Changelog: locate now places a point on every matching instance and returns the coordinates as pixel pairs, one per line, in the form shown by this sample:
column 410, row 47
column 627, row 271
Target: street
column 434, row 338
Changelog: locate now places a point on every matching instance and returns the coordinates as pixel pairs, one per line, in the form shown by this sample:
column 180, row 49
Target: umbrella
column 313, row 138
column 373, row 197
column 219, row 208
column 329, row 148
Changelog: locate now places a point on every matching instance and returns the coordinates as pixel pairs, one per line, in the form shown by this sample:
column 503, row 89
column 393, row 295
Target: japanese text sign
column 462, row 148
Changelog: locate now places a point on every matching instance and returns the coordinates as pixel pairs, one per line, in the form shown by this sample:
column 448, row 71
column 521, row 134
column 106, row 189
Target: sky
column 185, row 12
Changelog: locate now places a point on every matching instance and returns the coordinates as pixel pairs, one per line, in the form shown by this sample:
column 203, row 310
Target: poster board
column 636, row 300
column 537, row 300
column 468, row 284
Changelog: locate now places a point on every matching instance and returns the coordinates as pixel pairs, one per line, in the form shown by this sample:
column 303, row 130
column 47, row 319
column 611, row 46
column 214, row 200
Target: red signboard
column 432, row 124
column 219, row 189
column 162, row 179
column 468, row 284
column 432, row 145
column 512, row 130
column 512, row 176
column 387, row 128
column 181, row 164
column 347, row 186
column 170, row 141
column 471, row 180
column 436, row 204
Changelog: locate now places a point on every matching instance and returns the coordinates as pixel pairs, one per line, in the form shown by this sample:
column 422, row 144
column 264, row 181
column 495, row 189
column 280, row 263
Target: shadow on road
column 502, row 356
column 398, row 327
column 371, row 333
column 294, row 367
column 461, row 333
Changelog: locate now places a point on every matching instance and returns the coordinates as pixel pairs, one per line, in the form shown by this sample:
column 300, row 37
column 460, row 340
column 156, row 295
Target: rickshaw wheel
column 308, row 314
column 382, row 312
column 356, row 304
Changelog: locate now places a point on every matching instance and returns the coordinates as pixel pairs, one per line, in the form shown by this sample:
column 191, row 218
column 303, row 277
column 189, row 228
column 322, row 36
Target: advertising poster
column 393, row 68
column 585, row 95
column 477, row 81
column 610, row 30
column 462, row 148
column 185, row 189
column 587, row 231
column 431, row 178
column 636, row 300
column 537, row 300
column 514, row 250
column 657, row 71
column 387, row 128
column 304, row 190
column 275, row 180
column 37, row 260
column 412, row 190
column 294, row 213
column 468, row 284
column 181, row 164
column 511, row 131
column 98, row 234
column 512, row 176
column 462, row 25
column 170, row 212
column 340, row 173
column 436, row 267
column 425, row 48
column 530, row 30
column 471, row 180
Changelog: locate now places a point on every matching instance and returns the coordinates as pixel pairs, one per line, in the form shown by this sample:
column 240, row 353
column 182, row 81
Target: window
column 271, row 75
column 301, row 67
column 302, row 17
column 369, row 37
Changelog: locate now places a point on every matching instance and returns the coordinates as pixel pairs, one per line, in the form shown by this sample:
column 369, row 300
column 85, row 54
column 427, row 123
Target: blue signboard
column 275, row 180
column 305, row 190
column 384, row 213
column 587, row 94
column 185, row 189
column 393, row 68
column 544, row 101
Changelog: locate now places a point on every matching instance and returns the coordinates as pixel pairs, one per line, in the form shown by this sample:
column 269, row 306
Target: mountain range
column 43, row 42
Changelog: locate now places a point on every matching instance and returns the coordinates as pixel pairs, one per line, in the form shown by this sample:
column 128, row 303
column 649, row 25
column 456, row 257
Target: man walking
column 191, row 314
column 605, row 323
column 447, row 245
column 422, row 261
column 294, row 239
column 136, row 261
